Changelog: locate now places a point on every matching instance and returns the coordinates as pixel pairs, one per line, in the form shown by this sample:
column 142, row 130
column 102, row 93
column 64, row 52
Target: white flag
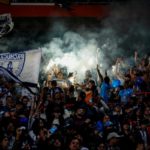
column 24, row 65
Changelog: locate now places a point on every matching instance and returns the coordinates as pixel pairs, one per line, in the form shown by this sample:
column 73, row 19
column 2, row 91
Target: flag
column 8, row 77
column 6, row 24
column 24, row 65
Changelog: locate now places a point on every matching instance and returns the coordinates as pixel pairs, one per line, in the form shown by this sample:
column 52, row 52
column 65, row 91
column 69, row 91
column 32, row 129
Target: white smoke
column 83, row 43
column 119, row 36
column 74, row 52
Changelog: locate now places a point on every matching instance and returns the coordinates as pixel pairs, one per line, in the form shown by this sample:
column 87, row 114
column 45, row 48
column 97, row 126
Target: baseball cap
column 113, row 135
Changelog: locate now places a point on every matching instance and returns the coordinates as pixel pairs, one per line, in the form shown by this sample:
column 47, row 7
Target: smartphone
column 53, row 129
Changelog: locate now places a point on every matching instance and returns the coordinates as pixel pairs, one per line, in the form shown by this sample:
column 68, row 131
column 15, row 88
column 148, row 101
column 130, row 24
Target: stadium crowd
column 108, row 114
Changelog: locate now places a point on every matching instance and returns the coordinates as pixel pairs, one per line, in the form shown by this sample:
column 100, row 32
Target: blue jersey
column 104, row 91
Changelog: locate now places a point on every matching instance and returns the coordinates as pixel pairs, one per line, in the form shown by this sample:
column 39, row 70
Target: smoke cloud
column 81, row 45
column 73, row 51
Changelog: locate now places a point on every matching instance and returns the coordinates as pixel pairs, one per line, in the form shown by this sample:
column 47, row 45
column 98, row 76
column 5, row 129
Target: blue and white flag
column 24, row 65
column 6, row 24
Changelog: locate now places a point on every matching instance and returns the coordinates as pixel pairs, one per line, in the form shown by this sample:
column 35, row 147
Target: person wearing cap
column 20, row 138
column 112, row 140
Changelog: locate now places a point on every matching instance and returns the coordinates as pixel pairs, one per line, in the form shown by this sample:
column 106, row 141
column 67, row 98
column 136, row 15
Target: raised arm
column 117, row 70
column 135, row 57
column 99, row 74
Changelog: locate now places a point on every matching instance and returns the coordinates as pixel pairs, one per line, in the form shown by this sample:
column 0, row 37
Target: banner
column 5, row 1
column 6, row 24
column 24, row 65
column 8, row 78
